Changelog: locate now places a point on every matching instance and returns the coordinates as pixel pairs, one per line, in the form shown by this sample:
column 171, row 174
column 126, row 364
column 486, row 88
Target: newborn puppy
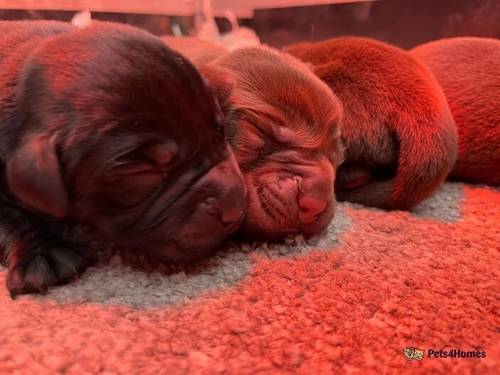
column 108, row 128
column 468, row 71
column 283, row 125
column 398, row 132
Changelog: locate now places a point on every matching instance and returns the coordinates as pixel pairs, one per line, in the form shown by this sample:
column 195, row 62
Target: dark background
column 405, row 23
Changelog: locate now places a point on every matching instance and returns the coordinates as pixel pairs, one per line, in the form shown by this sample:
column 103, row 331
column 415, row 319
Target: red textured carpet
column 348, row 303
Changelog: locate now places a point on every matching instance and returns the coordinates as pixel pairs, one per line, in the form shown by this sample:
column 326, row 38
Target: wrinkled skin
column 108, row 128
column 283, row 125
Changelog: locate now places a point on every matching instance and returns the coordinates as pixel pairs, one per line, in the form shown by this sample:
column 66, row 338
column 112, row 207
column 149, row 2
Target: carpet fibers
column 347, row 302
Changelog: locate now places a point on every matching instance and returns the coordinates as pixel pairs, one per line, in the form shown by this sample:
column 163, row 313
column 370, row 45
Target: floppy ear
column 33, row 176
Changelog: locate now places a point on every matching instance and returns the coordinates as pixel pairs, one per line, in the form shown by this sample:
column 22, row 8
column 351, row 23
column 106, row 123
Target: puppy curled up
column 468, row 70
column 107, row 128
column 399, row 136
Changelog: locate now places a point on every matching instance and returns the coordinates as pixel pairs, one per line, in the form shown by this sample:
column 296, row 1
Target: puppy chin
column 263, row 222
column 189, row 244
column 197, row 236
column 259, row 227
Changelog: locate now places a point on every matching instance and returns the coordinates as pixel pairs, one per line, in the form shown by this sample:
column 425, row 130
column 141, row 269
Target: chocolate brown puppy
column 399, row 136
column 107, row 128
column 283, row 125
column 468, row 70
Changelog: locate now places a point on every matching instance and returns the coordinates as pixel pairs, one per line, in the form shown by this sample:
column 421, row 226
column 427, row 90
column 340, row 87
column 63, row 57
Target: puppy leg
column 352, row 176
column 35, row 255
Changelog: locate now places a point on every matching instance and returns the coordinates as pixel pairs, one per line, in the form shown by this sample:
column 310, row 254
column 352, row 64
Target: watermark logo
column 413, row 354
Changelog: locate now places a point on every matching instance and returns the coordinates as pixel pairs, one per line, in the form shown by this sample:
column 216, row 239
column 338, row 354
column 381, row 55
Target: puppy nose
column 310, row 208
column 231, row 215
column 232, row 204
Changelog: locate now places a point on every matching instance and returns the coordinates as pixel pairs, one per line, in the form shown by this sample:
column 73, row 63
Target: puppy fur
column 468, row 70
column 399, row 136
column 107, row 128
column 283, row 124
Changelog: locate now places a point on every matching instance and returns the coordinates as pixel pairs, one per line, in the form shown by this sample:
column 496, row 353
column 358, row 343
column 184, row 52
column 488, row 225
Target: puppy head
column 122, row 134
column 283, row 124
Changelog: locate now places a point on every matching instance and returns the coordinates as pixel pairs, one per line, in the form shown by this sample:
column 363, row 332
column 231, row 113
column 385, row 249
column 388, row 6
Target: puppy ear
column 33, row 176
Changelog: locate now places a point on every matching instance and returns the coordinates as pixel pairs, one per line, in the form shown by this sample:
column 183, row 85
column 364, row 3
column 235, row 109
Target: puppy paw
column 36, row 271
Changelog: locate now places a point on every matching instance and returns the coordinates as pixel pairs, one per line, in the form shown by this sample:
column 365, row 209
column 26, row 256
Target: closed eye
column 130, row 185
column 134, row 168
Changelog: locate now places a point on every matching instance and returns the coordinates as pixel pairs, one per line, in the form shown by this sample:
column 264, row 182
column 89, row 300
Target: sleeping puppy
column 468, row 71
column 283, row 125
column 398, row 132
column 107, row 128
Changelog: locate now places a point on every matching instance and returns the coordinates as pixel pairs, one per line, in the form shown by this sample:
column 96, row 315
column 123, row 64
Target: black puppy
column 106, row 127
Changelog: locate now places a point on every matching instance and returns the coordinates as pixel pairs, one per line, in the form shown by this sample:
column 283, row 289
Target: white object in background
column 82, row 19
column 242, row 37
column 176, row 30
column 206, row 28
column 204, row 22
column 239, row 36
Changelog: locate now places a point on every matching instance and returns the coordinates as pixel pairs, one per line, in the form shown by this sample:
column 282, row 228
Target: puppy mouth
column 271, row 204
column 270, row 218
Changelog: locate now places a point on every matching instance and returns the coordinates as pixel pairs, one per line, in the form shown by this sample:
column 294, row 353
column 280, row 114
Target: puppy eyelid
column 133, row 167
column 162, row 154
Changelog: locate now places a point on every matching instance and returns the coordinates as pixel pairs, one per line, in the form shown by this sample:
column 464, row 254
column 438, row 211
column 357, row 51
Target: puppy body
column 283, row 125
column 108, row 128
column 398, row 132
column 468, row 70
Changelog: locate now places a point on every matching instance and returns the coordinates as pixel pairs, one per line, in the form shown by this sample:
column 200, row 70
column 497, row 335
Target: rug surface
column 347, row 302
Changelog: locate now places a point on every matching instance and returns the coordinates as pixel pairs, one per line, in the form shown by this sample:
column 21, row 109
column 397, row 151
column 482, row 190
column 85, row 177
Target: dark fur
column 108, row 128
column 398, row 132
column 468, row 70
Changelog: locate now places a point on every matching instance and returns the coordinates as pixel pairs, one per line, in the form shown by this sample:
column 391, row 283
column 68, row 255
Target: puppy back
column 13, row 34
column 468, row 70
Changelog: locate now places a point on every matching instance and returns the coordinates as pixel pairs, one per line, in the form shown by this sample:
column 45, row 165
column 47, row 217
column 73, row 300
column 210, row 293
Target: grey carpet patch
column 116, row 282
column 120, row 284
column 443, row 205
